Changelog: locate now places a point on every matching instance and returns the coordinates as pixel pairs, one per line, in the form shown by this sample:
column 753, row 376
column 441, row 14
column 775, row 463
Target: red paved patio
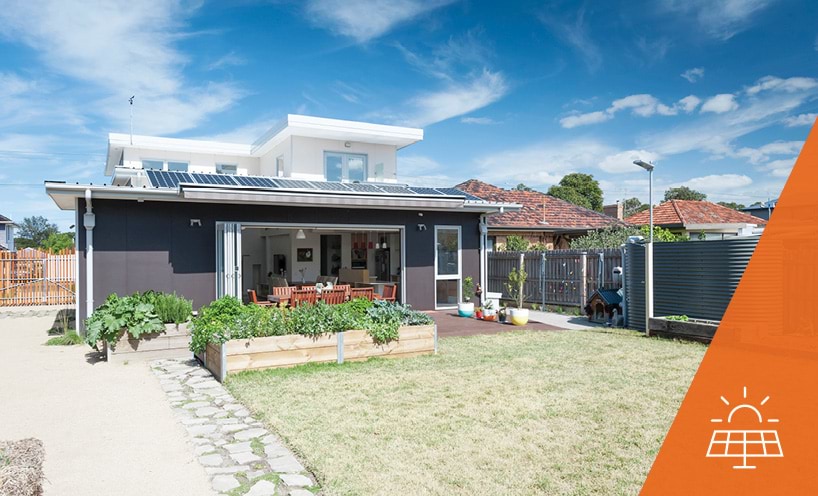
column 450, row 324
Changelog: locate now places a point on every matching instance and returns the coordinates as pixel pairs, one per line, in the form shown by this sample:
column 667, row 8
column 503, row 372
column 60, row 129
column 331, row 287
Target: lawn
column 572, row 412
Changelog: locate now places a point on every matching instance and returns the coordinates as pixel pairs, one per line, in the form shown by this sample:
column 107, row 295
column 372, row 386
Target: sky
column 719, row 94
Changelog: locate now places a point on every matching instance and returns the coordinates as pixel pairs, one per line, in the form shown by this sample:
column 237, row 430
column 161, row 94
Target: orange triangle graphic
column 767, row 343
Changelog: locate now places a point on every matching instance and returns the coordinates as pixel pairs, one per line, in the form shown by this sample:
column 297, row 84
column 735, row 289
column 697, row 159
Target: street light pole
column 649, row 252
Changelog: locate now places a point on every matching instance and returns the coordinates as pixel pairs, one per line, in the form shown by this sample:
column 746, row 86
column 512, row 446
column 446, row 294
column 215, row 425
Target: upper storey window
column 227, row 169
column 346, row 167
column 162, row 165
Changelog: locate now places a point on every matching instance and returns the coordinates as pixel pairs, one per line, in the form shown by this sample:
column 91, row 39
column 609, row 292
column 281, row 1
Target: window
column 280, row 167
column 227, row 169
column 345, row 167
column 447, row 266
column 162, row 165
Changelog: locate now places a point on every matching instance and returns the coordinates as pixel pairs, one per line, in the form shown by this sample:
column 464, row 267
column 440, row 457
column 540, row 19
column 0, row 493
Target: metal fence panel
column 694, row 278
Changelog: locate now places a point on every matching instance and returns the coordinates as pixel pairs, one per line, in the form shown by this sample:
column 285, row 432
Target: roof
column 761, row 205
column 693, row 212
column 609, row 296
column 263, row 190
column 539, row 211
column 5, row 220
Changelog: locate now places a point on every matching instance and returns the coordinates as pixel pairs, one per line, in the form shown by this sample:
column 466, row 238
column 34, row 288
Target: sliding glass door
column 447, row 266
column 228, row 259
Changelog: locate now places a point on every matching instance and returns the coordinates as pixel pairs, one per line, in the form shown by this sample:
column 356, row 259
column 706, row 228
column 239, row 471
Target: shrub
column 170, row 308
column 134, row 314
column 516, row 243
column 467, row 289
column 214, row 322
column 70, row 338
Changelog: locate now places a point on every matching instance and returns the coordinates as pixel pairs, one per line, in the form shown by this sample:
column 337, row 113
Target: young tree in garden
column 579, row 189
column 36, row 229
column 684, row 193
column 633, row 206
column 733, row 205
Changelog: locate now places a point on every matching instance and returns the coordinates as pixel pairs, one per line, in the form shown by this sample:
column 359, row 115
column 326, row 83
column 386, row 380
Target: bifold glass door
column 228, row 259
column 447, row 266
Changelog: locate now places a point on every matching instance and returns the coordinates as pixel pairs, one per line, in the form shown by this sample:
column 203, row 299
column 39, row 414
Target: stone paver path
column 238, row 453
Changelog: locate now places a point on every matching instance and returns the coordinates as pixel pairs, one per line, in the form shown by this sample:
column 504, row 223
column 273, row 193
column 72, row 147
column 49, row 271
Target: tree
column 614, row 237
column 58, row 242
column 733, row 205
column 523, row 187
column 684, row 193
column 633, row 206
column 516, row 243
column 579, row 189
column 36, row 229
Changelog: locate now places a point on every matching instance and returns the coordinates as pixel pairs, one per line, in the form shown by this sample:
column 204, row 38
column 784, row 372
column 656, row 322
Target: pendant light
column 383, row 245
column 377, row 240
column 300, row 234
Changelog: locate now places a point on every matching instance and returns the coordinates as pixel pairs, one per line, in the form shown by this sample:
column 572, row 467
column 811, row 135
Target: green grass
column 574, row 412
column 70, row 338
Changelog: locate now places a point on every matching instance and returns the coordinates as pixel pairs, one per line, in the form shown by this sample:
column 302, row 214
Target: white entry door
column 228, row 259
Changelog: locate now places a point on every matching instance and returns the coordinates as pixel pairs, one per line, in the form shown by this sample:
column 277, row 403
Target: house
column 542, row 219
column 312, row 197
column 6, row 234
column 762, row 210
column 700, row 220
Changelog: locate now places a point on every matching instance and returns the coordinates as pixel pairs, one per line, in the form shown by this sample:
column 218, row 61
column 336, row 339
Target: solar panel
column 396, row 190
column 254, row 181
column 294, row 183
column 426, row 191
column 364, row 188
column 330, row 186
column 457, row 192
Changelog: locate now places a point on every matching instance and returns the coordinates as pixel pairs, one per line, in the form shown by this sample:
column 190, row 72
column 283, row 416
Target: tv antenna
column 130, row 100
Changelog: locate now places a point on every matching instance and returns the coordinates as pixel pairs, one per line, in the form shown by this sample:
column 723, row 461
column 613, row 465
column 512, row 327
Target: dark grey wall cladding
column 694, row 278
column 635, row 286
column 150, row 245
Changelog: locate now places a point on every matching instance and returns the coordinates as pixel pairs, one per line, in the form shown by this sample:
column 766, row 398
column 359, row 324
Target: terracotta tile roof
column 686, row 212
column 540, row 211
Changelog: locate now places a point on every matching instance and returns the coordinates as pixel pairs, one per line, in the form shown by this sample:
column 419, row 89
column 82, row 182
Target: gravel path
column 240, row 456
column 107, row 429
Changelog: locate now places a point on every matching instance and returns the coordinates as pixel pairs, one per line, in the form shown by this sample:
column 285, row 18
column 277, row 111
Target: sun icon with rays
column 745, row 443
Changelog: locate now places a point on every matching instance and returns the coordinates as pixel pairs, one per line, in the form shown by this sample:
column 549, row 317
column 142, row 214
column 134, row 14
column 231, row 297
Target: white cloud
column 643, row 105
column 576, row 34
column 789, row 85
column 719, row 19
column 781, row 167
column 454, row 100
column 124, row 48
column 226, row 60
column 622, row 162
column 716, row 183
column 800, row 120
column 719, row 104
column 763, row 153
column 364, row 20
column 483, row 121
column 420, row 170
column 584, row 119
column 693, row 75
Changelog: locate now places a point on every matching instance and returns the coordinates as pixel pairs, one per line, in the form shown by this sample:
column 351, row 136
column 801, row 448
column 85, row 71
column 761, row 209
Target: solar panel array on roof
column 169, row 179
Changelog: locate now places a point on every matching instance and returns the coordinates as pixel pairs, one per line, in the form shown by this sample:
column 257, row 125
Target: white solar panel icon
column 745, row 443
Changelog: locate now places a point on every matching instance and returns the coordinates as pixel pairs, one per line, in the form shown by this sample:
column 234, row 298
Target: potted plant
column 489, row 312
column 501, row 314
column 516, row 288
column 478, row 313
column 466, row 307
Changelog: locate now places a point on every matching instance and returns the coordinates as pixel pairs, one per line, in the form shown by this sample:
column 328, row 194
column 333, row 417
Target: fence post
column 542, row 279
column 583, row 289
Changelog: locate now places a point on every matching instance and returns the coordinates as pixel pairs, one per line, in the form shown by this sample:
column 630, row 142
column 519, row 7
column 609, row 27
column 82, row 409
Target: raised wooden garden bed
column 287, row 351
column 693, row 329
column 173, row 343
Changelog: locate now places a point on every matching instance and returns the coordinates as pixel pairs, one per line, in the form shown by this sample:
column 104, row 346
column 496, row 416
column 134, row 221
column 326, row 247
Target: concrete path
column 562, row 321
column 107, row 429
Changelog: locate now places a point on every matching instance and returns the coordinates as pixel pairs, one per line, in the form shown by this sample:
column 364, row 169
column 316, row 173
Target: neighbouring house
column 542, row 219
column 700, row 220
column 6, row 234
column 762, row 210
column 311, row 198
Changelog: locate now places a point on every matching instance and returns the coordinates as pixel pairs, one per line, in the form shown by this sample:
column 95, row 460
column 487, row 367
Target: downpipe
column 89, row 221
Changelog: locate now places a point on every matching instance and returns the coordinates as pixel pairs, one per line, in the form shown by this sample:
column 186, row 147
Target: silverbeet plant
column 132, row 314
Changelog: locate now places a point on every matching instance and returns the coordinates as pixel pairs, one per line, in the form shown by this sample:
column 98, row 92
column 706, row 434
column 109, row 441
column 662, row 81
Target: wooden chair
column 333, row 296
column 251, row 294
column 327, row 279
column 343, row 287
column 368, row 293
column 283, row 292
column 302, row 297
column 389, row 293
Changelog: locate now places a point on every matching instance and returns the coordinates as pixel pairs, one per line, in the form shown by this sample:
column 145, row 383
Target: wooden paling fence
column 556, row 277
column 33, row 277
